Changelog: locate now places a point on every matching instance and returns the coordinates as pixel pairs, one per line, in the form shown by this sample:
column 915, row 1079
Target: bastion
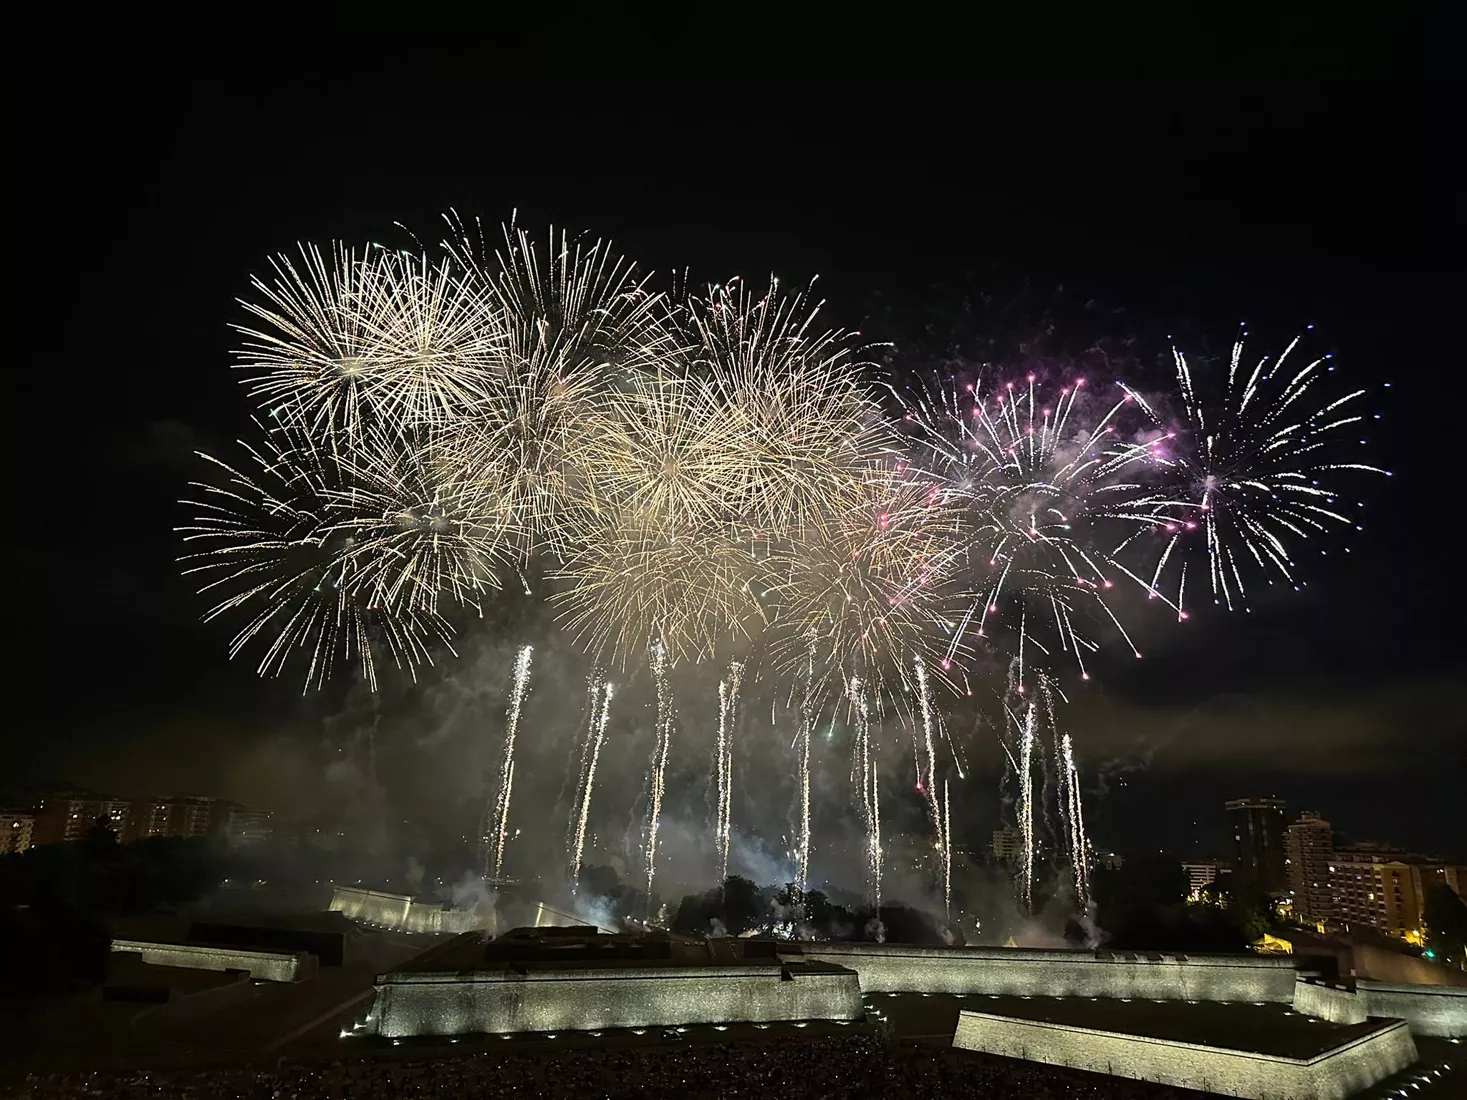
column 553, row 979
column 1006, row 971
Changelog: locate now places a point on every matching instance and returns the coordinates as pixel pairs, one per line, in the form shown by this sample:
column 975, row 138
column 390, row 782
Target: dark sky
column 152, row 188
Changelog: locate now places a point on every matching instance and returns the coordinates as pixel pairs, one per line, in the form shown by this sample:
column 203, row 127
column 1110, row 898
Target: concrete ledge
column 1333, row 1075
column 966, row 971
column 527, row 1001
column 262, row 965
column 1436, row 1010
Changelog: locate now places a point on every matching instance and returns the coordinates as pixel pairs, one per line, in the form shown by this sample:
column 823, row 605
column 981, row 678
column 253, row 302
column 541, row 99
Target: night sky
column 151, row 191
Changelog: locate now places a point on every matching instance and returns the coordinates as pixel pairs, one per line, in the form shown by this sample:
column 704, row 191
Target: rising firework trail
column 660, row 750
column 863, row 766
column 728, row 714
column 947, row 850
column 500, row 822
column 923, row 748
column 1075, row 818
column 807, row 729
column 874, row 856
column 1026, row 807
column 600, row 715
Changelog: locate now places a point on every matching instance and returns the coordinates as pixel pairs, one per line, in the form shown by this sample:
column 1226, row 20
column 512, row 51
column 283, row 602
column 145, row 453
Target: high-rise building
column 1386, row 889
column 192, row 816
column 1310, row 846
column 68, row 815
column 15, row 830
column 1258, row 840
column 146, row 818
column 1008, row 843
column 242, row 825
column 1204, row 872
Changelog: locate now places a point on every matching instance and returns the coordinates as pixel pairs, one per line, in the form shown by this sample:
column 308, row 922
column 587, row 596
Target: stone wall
column 507, row 1001
column 1338, row 1006
column 262, row 965
column 1334, row 1075
column 1437, row 1010
column 404, row 913
column 1035, row 973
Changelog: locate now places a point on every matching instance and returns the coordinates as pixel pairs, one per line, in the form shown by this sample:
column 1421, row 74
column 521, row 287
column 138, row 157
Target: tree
column 743, row 906
column 1444, row 914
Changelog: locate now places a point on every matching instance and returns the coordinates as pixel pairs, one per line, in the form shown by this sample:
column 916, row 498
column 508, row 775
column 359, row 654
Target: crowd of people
column 838, row 1067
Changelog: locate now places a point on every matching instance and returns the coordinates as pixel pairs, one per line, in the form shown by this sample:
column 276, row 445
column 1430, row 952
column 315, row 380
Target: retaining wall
column 1020, row 972
column 404, row 913
column 508, row 1001
column 1436, row 1010
column 263, row 965
column 1334, row 1075
column 1338, row 1006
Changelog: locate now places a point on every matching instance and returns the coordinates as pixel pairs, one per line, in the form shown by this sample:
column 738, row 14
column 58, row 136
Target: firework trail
column 807, row 729
column 1026, row 807
column 947, row 851
column 864, row 765
column 660, row 752
column 923, row 747
column 1259, row 469
column 1075, row 817
column 728, row 714
column 600, row 715
column 874, row 856
column 499, row 830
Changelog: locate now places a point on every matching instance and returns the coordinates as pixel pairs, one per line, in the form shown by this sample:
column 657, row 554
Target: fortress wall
column 1436, row 1010
column 262, row 965
column 403, row 913
column 1334, row 1075
column 1338, row 1006
column 371, row 906
column 1018, row 972
column 656, row 997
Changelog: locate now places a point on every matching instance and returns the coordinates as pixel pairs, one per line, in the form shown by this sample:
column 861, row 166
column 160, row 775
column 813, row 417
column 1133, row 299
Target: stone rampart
column 1333, row 1075
column 1338, row 1006
column 594, row 998
column 967, row 971
column 405, row 913
column 1436, row 1010
column 262, row 965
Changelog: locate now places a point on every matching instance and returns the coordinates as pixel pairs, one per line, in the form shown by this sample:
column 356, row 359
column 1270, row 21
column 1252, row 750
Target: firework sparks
column 1259, row 474
column 872, row 583
column 347, row 338
column 1046, row 490
column 266, row 543
column 627, row 587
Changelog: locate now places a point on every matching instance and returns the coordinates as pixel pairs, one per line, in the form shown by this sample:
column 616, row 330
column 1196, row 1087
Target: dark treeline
column 56, row 899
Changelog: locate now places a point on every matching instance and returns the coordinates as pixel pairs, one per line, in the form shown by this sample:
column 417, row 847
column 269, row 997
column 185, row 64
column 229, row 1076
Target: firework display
column 713, row 476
